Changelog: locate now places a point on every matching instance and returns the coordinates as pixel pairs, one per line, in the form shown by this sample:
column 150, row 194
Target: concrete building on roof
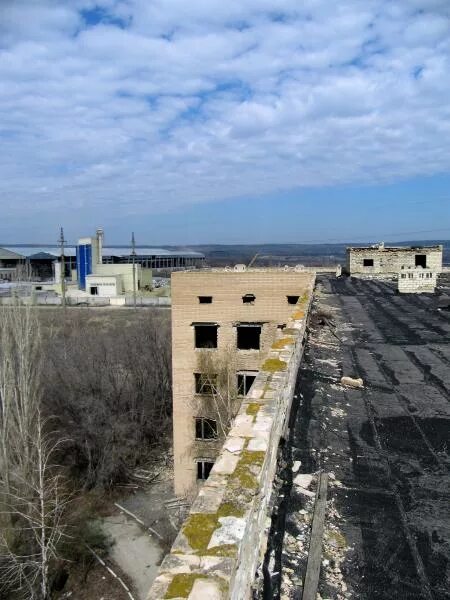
column 417, row 280
column 221, row 315
column 380, row 261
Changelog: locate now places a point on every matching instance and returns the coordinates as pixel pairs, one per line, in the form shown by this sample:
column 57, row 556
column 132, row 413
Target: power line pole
column 133, row 257
column 62, row 241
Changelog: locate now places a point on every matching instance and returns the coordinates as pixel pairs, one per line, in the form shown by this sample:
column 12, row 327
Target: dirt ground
column 136, row 552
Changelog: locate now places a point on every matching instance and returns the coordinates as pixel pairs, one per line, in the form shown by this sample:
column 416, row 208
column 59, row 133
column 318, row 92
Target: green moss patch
column 244, row 474
column 181, row 585
column 253, row 408
column 229, row 509
column 198, row 530
column 227, row 550
column 274, row 364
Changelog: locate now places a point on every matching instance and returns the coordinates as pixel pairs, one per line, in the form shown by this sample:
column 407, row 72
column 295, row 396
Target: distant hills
column 307, row 254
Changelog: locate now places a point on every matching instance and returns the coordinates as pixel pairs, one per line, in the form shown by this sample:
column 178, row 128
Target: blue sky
column 210, row 121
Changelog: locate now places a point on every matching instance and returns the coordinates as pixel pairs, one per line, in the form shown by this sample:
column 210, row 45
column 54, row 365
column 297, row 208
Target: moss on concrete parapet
column 247, row 469
column 253, row 408
column 282, row 343
column 182, row 584
column 199, row 528
column 274, row 364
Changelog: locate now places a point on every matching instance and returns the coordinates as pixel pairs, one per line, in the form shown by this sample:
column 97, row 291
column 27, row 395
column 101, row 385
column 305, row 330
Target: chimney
column 99, row 245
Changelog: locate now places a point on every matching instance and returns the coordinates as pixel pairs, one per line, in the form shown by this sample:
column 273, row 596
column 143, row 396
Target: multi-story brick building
column 228, row 316
column 382, row 261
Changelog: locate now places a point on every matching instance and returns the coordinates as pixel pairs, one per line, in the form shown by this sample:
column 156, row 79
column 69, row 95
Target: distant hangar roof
column 6, row 254
column 39, row 252
column 144, row 251
column 53, row 252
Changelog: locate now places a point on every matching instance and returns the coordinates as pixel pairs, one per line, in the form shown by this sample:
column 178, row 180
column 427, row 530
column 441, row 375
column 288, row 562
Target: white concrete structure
column 417, row 281
column 143, row 275
column 104, row 285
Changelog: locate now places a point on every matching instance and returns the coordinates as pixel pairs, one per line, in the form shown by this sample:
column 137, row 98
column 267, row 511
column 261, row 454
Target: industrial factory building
column 39, row 260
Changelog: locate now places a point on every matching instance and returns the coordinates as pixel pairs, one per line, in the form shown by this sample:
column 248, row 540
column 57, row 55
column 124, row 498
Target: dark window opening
column 292, row 299
column 204, row 469
column 205, row 429
column 367, row 262
column 245, row 382
column 248, row 337
column 205, row 383
column 206, row 336
column 205, row 299
column 281, row 326
column 249, row 299
column 94, row 291
column 421, row 260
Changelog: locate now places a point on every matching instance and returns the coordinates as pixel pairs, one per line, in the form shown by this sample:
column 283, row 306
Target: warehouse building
column 40, row 259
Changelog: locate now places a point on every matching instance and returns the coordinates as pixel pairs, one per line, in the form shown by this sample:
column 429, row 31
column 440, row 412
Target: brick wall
column 270, row 308
column 389, row 261
column 222, row 542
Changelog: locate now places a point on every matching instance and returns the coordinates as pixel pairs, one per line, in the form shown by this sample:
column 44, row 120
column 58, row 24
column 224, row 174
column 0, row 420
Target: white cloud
column 137, row 106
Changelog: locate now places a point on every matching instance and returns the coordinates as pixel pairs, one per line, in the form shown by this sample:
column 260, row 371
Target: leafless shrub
column 218, row 384
column 110, row 389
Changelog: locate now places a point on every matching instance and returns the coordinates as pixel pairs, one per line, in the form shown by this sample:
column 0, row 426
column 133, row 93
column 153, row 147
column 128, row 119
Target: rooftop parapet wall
column 220, row 545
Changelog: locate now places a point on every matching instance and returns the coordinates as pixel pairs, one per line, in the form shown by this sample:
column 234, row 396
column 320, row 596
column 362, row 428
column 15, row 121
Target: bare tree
column 30, row 489
column 119, row 381
column 217, row 381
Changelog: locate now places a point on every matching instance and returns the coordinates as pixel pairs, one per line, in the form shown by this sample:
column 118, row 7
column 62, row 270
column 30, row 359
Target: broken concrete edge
column 223, row 540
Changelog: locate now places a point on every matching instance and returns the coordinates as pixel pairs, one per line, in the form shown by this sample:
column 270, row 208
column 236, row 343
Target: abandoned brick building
column 382, row 261
column 230, row 318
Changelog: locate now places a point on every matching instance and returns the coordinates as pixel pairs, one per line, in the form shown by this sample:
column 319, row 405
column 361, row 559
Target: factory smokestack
column 100, row 235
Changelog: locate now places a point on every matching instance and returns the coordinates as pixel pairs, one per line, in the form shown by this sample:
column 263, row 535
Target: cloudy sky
column 225, row 120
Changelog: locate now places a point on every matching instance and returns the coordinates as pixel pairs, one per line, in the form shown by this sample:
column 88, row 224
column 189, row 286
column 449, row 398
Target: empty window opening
column 245, row 381
column 281, row 326
column 403, row 275
column 410, row 275
column 292, row 299
column 421, row 260
column 205, row 299
column 204, row 469
column 205, row 383
column 249, row 299
column 94, row 290
column 367, row 262
column 205, row 429
column 206, row 336
column 248, row 337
